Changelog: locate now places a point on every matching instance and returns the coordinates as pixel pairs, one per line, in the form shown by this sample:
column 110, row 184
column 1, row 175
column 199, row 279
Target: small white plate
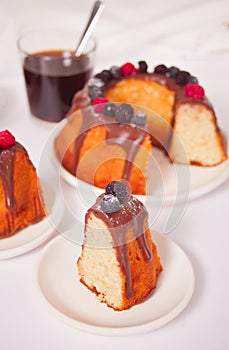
column 33, row 235
column 169, row 184
column 60, row 288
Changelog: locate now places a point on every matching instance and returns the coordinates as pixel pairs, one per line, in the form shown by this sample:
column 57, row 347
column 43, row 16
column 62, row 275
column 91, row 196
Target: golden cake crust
column 102, row 157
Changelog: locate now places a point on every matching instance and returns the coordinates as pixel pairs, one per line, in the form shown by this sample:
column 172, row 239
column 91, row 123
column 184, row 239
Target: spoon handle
column 95, row 14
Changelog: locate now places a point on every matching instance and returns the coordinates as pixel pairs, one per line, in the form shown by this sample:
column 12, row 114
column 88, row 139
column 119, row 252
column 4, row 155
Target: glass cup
column 52, row 73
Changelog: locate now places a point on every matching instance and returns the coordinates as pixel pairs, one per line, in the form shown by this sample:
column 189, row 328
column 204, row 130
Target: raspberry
column 194, row 91
column 99, row 103
column 6, row 139
column 128, row 68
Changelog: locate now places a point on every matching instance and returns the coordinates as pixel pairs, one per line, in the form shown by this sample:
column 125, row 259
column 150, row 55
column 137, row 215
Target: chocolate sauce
column 52, row 78
column 81, row 99
column 7, row 172
column 169, row 82
column 132, row 216
column 128, row 136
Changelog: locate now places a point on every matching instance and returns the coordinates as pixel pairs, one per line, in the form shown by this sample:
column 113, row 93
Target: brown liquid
column 51, row 83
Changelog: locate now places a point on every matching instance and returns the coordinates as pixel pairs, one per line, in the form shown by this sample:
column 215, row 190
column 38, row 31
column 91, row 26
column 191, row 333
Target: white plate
column 33, row 235
column 170, row 183
column 59, row 285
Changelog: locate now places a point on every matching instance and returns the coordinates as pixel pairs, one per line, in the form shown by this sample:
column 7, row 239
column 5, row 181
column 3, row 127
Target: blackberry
column 109, row 109
column 118, row 189
column 110, row 203
column 172, row 72
column 142, row 66
column 192, row 80
column 124, row 113
column 139, row 118
column 161, row 68
column 182, row 77
column 105, row 75
column 115, row 72
column 95, row 92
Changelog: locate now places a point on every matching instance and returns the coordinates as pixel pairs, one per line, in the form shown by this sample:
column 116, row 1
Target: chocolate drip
column 139, row 226
column 77, row 146
column 7, row 173
column 125, row 266
column 132, row 216
column 128, row 136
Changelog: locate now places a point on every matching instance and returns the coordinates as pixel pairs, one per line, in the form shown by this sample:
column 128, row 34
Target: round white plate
column 59, row 285
column 169, row 184
column 33, row 235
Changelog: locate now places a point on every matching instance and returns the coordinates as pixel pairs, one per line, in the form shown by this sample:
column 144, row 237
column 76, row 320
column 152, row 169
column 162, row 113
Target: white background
column 191, row 34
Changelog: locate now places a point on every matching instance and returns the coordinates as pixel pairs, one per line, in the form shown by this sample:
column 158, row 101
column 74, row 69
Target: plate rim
column 48, row 231
column 124, row 330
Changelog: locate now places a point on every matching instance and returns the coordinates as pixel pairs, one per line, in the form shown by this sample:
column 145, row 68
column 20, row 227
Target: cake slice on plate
column 21, row 201
column 119, row 260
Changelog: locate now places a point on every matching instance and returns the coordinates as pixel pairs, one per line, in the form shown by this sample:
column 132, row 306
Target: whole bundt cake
column 189, row 125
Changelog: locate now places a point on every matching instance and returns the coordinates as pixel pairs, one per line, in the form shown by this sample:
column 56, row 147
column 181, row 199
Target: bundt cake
column 21, row 202
column 119, row 260
column 100, row 147
column 189, row 123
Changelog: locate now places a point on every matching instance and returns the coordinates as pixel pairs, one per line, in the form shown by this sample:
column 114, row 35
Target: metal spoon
column 95, row 14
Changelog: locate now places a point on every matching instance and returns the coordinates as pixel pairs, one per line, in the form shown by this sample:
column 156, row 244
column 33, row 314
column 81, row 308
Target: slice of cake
column 21, row 202
column 119, row 260
column 188, row 130
column 104, row 143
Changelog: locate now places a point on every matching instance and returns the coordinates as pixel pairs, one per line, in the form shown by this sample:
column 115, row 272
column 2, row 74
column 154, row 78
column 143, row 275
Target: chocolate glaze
column 131, row 216
column 82, row 99
column 7, row 172
column 128, row 136
column 169, row 82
